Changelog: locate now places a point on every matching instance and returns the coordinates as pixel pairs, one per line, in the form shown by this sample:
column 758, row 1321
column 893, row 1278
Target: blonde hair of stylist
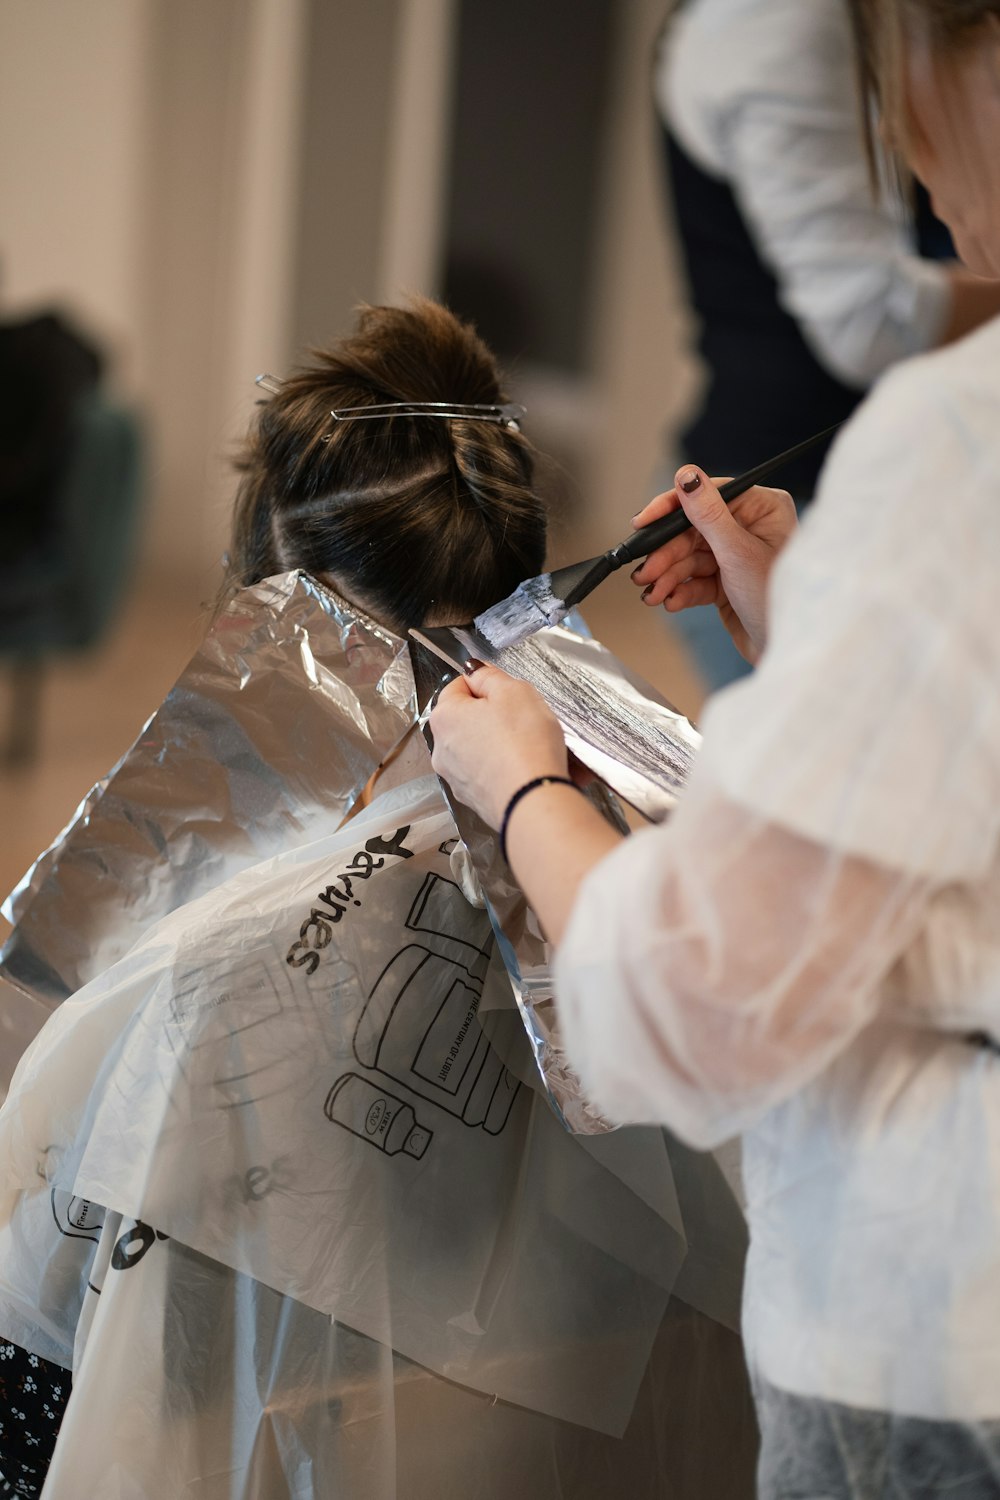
column 807, row 953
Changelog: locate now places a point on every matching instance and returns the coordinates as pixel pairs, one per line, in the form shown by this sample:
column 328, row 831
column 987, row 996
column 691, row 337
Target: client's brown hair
column 415, row 515
column 880, row 29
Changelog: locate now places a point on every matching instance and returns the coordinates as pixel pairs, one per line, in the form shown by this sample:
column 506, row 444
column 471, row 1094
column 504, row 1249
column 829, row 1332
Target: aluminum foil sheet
column 267, row 739
column 615, row 723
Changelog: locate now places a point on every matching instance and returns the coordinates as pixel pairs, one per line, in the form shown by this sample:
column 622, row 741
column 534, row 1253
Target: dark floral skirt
column 33, row 1396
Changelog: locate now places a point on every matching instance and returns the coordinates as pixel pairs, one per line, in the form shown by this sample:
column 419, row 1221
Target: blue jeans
column 710, row 646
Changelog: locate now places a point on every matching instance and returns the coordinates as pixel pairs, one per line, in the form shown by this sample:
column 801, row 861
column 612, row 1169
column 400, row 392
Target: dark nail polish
column 635, row 573
column 691, row 483
column 647, row 591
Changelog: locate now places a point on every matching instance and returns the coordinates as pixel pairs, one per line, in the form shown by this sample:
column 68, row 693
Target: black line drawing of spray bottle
column 376, row 1116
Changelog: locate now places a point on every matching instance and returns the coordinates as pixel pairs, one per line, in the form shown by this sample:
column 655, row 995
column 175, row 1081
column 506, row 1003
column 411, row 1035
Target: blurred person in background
column 805, row 289
column 807, row 952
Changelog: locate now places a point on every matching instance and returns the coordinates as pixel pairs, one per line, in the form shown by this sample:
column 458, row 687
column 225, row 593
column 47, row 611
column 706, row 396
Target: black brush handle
column 646, row 540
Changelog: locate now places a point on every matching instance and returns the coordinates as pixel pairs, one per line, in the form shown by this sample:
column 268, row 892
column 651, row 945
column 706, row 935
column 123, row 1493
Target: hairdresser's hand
column 725, row 559
column 491, row 735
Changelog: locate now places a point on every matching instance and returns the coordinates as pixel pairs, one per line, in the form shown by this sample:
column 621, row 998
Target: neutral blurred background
column 203, row 188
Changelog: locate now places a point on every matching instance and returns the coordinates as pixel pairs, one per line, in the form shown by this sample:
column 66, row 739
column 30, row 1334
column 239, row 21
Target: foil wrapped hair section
column 638, row 744
column 267, row 738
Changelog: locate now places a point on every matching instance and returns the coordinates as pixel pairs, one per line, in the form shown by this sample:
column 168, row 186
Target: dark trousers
column 820, row 1450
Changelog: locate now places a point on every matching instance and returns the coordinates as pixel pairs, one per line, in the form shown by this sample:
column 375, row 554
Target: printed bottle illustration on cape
column 419, row 1028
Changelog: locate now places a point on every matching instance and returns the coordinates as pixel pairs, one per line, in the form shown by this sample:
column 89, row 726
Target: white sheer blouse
column 762, row 93
column 802, row 953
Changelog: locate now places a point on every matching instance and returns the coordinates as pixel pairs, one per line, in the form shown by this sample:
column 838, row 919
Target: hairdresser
column 804, row 287
column 807, row 953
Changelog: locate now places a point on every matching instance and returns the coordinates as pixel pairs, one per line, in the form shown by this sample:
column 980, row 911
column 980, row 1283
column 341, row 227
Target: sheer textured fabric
column 762, row 92
column 802, row 953
column 771, row 950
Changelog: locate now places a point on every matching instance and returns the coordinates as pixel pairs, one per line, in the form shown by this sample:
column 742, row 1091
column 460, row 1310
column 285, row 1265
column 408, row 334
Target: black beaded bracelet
column 522, row 791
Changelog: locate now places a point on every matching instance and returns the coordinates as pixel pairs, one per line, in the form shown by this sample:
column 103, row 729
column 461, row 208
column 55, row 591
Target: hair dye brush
column 544, row 600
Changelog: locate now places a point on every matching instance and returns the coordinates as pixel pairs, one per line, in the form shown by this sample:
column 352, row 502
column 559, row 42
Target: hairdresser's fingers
column 744, row 554
column 494, row 738
column 769, row 514
column 522, row 706
column 693, row 592
column 754, row 504
column 486, row 681
column 701, row 564
column 668, row 556
column 660, row 505
column 457, row 687
column 706, row 510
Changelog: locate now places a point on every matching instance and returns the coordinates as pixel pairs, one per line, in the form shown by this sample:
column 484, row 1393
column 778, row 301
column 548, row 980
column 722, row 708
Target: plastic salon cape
column 300, row 1229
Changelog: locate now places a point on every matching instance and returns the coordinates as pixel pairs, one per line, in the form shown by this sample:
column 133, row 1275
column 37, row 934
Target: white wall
column 219, row 215
column 415, row 181
column 639, row 333
column 72, row 81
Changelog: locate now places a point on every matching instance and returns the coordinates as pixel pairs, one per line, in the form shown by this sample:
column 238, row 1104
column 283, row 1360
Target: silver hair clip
column 507, row 415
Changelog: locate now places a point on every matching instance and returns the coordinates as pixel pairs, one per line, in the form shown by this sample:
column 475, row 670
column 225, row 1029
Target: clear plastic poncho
column 283, row 1185
column 807, row 953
